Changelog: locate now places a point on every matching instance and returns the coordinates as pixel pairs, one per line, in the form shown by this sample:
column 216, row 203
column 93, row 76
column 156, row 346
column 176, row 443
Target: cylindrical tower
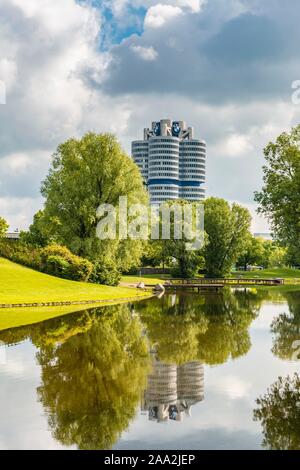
column 163, row 173
column 172, row 161
column 192, row 169
column 139, row 150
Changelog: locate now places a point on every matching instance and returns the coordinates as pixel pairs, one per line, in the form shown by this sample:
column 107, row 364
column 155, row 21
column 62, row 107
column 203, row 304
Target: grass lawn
column 151, row 279
column 23, row 285
column 291, row 276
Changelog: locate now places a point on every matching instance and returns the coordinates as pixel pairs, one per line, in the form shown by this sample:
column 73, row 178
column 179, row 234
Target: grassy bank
column 291, row 276
column 23, row 285
column 150, row 279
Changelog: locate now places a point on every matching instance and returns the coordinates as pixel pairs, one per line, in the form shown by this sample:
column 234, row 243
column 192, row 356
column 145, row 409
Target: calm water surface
column 181, row 372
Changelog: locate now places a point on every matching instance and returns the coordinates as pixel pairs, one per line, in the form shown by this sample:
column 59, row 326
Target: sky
column 226, row 67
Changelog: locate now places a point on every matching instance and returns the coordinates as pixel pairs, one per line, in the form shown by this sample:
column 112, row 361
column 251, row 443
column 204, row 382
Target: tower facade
column 172, row 162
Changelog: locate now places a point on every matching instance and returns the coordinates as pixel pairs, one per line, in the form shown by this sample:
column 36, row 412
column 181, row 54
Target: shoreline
column 14, row 317
column 73, row 302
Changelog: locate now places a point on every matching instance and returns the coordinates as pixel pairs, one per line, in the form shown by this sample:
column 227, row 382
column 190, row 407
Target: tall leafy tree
column 279, row 198
column 186, row 261
column 227, row 228
column 84, row 174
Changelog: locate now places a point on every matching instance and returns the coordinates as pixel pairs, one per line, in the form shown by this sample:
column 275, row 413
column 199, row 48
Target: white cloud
column 119, row 6
column 236, row 145
column 60, row 16
column 160, row 14
column 146, row 53
column 44, row 46
column 194, row 5
column 14, row 162
column 48, row 46
column 8, row 72
column 19, row 211
column 259, row 224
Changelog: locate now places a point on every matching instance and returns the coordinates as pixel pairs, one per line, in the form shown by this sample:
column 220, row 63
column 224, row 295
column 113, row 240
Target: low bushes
column 21, row 253
column 53, row 259
column 59, row 261
column 105, row 273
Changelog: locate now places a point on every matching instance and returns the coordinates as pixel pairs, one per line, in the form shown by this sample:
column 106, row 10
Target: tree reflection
column 279, row 413
column 286, row 329
column 52, row 331
column 92, row 383
column 230, row 316
column 209, row 328
column 173, row 325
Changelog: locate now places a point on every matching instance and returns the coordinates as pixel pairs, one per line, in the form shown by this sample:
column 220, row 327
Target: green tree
column 84, row 174
column 279, row 413
column 268, row 249
column 155, row 255
column 53, row 331
column 278, row 257
column 279, row 199
column 3, row 227
column 187, row 261
column 227, row 228
column 254, row 252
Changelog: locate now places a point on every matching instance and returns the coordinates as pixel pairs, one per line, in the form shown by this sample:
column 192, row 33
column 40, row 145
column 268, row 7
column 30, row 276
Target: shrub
column 105, row 273
column 73, row 267
column 53, row 259
column 20, row 253
column 57, row 266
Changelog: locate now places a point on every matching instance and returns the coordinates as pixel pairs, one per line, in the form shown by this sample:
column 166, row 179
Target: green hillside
column 23, row 285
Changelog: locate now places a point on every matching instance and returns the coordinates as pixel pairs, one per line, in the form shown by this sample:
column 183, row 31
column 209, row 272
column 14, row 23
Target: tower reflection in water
column 172, row 390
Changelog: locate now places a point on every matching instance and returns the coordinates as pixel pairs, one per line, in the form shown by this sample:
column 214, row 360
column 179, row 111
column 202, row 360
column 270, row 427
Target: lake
column 186, row 371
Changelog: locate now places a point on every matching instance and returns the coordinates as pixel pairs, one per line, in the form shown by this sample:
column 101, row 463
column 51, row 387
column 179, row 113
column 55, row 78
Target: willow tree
column 85, row 174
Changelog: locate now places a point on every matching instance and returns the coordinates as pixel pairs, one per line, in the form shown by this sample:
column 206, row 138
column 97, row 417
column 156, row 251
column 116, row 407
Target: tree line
column 94, row 170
